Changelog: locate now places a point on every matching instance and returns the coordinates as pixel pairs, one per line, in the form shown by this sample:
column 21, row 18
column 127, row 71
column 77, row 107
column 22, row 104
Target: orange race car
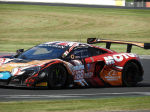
column 70, row 64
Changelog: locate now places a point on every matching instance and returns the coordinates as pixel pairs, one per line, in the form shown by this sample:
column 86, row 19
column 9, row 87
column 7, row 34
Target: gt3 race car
column 70, row 64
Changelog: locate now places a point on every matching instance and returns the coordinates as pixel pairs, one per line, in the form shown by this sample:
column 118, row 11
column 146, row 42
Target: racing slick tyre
column 130, row 74
column 57, row 77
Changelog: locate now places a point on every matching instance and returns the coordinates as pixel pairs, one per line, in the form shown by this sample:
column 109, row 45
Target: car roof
column 70, row 45
column 64, row 44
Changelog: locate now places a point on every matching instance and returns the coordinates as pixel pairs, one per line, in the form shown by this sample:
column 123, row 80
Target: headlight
column 35, row 69
column 17, row 71
column 32, row 70
column 29, row 71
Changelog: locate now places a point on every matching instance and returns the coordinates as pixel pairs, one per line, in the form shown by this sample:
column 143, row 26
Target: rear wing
column 108, row 43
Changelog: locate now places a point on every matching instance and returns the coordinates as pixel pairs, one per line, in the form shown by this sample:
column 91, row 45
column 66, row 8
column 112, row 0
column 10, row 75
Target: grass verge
column 22, row 26
column 84, row 105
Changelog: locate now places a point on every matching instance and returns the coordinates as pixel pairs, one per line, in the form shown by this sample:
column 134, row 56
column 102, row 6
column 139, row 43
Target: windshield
column 42, row 53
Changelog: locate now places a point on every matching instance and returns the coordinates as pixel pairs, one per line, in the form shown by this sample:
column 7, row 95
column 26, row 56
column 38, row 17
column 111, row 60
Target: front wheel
column 131, row 73
column 57, row 76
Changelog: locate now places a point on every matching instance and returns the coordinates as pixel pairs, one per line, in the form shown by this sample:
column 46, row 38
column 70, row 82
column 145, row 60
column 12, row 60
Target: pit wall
column 87, row 2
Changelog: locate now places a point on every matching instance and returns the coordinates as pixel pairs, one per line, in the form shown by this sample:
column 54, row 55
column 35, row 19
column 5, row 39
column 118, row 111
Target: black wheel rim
column 57, row 77
column 130, row 75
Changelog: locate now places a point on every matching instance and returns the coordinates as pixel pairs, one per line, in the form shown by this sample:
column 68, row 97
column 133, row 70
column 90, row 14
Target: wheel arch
column 99, row 63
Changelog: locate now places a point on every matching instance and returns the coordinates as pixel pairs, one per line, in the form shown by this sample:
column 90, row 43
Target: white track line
column 72, row 95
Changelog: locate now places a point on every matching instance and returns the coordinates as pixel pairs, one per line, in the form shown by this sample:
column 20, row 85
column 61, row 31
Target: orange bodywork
column 110, row 76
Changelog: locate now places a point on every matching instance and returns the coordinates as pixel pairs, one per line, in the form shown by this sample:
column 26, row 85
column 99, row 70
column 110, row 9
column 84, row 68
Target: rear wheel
column 57, row 77
column 131, row 73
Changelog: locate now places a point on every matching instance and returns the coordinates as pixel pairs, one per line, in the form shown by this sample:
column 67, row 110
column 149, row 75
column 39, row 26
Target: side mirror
column 18, row 52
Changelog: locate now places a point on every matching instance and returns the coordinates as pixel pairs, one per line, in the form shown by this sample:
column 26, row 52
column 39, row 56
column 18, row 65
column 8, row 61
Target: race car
column 72, row 64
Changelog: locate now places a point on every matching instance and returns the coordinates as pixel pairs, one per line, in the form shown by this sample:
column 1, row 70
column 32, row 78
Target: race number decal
column 79, row 74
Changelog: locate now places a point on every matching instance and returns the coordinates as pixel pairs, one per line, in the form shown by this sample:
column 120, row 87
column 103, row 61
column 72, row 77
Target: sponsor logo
column 112, row 76
column 5, row 75
column 88, row 75
column 16, row 65
column 79, row 73
column 80, row 67
column 118, row 58
column 1, row 75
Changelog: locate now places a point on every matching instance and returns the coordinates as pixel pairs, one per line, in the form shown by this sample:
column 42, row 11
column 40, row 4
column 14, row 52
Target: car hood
column 7, row 64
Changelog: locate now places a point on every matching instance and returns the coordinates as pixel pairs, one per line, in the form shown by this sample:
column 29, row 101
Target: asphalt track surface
column 26, row 94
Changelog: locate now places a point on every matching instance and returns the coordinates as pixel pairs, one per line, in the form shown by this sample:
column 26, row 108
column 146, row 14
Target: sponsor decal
column 1, row 75
column 81, row 82
column 51, row 45
column 17, row 65
column 5, row 75
column 42, row 84
column 58, row 44
column 4, row 60
column 81, row 75
column 72, row 56
column 65, row 54
column 88, row 66
column 78, row 72
column 1, row 61
column 63, row 44
column 109, row 60
column 118, row 58
column 80, row 51
column 88, row 75
column 112, row 76
column 80, row 67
